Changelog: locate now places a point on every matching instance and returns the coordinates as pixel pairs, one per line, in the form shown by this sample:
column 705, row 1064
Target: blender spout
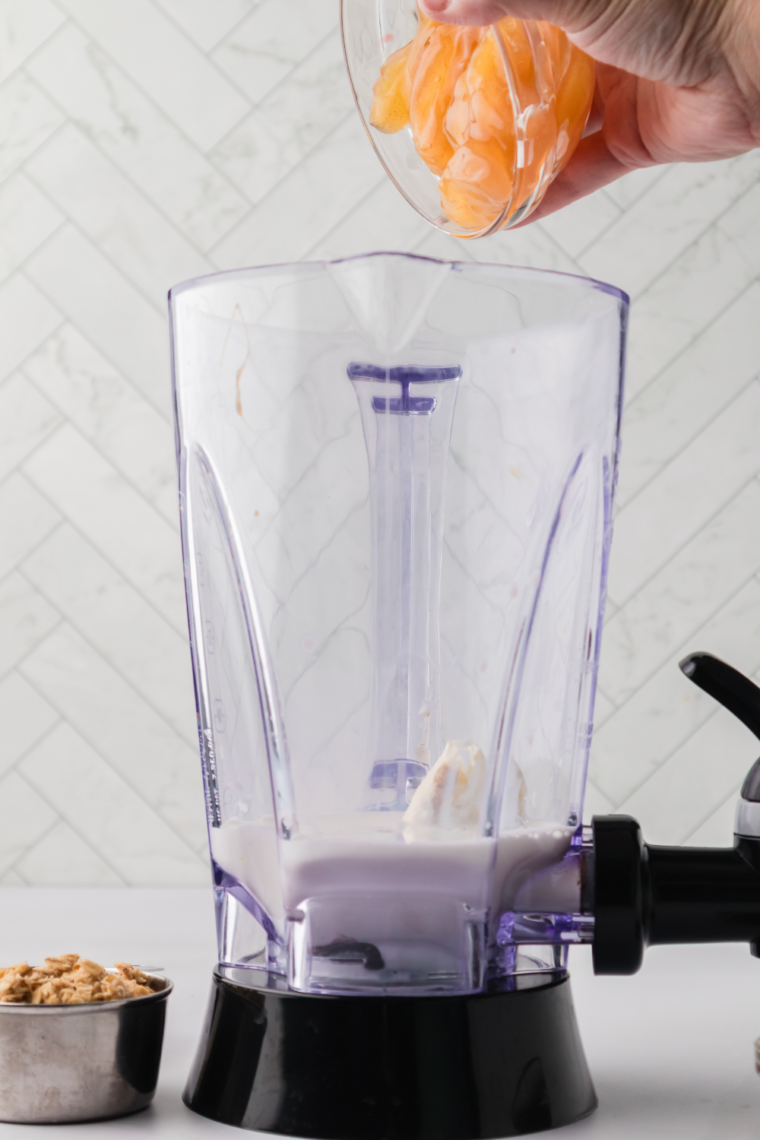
column 645, row 895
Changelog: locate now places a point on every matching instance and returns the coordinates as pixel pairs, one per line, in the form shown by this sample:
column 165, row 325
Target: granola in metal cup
column 70, row 980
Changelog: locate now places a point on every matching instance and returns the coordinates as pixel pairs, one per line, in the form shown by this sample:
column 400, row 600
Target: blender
column 396, row 488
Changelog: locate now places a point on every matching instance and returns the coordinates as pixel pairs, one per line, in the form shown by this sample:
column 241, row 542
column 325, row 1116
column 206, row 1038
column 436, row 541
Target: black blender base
column 391, row 1068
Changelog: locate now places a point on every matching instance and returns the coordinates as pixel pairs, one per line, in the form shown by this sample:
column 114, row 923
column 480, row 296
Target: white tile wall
column 144, row 143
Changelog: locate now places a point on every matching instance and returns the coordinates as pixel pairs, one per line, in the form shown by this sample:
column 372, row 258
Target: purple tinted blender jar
column 396, row 481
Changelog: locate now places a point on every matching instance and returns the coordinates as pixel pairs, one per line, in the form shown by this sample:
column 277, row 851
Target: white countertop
column 670, row 1050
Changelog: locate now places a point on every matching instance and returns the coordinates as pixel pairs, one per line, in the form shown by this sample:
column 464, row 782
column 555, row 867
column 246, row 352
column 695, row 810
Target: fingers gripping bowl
column 71, row 1055
column 471, row 123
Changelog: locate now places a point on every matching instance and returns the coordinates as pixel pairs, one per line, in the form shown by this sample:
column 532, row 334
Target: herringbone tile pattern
column 144, row 143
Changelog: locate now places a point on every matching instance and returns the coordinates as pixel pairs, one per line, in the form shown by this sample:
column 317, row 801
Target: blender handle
column 727, row 686
column 645, row 895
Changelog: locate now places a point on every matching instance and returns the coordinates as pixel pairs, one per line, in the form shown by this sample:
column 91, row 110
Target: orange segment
column 574, row 98
column 477, row 184
column 390, row 103
column 449, row 84
column 441, row 62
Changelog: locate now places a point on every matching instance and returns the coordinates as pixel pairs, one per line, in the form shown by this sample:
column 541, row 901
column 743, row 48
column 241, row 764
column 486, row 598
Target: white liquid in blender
column 368, row 854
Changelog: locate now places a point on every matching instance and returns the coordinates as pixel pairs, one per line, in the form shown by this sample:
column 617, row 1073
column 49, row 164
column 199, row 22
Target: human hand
column 677, row 80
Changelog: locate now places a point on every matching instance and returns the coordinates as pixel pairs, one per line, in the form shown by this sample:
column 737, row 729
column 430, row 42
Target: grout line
column 83, row 734
column 75, row 624
column 19, row 69
column 18, row 268
column 624, row 209
column 206, row 53
column 161, row 115
column 715, row 219
column 38, row 740
column 15, row 666
column 661, row 764
column 19, row 167
column 69, row 421
column 620, row 211
column 274, row 189
column 102, row 252
column 99, row 249
column 106, row 557
column 694, row 340
column 231, row 31
column 143, row 193
column 261, row 105
column 711, row 813
column 40, row 542
column 74, row 828
column 663, row 661
column 703, row 428
column 354, row 209
column 40, row 838
column 68, row 319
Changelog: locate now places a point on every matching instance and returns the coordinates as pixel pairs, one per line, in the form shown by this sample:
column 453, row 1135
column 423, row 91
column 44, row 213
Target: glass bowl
column 471, row 124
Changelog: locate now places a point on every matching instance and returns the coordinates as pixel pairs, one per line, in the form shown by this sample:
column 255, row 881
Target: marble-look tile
column 25, row 716
column 27, row 119
column 575, row 227
column 288, row 123
column 26, row 518
column 633, row 186
column 706, row 769
column 24, row 818
column 681, row 304
column 24, row 26
column 594, row 803
column 603, row 708
column 206, row 23
column 11, row 879
column 668, row 708
column 708, row 472
column 109, row 310
column 119, row 623
column 25, row 620
column 114, row 517
column 267, row 45
column 316, row 195
column 445, row 247
column 529, row 246
column 117, row 218
column 109, row 815
column 107, row 410
column 666, row 219
column 61, row 858
column 124, row 729
column 28, row 318
column 149, row 149
column 382, row 220
column 26, row 418
column 718, row 829
column 660, row 619
column 676, row 406
column 27, row 218
column 141, row 38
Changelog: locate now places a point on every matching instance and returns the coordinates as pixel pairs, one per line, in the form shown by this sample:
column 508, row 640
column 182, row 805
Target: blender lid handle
column 727, row 686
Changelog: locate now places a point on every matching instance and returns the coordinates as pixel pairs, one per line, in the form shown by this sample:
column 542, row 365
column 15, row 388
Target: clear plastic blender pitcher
column 396, row 481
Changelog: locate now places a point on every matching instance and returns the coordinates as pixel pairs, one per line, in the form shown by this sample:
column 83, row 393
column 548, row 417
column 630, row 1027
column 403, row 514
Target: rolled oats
column 70, row 980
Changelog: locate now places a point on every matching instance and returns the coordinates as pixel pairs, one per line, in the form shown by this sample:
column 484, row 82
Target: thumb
column 479, row 12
